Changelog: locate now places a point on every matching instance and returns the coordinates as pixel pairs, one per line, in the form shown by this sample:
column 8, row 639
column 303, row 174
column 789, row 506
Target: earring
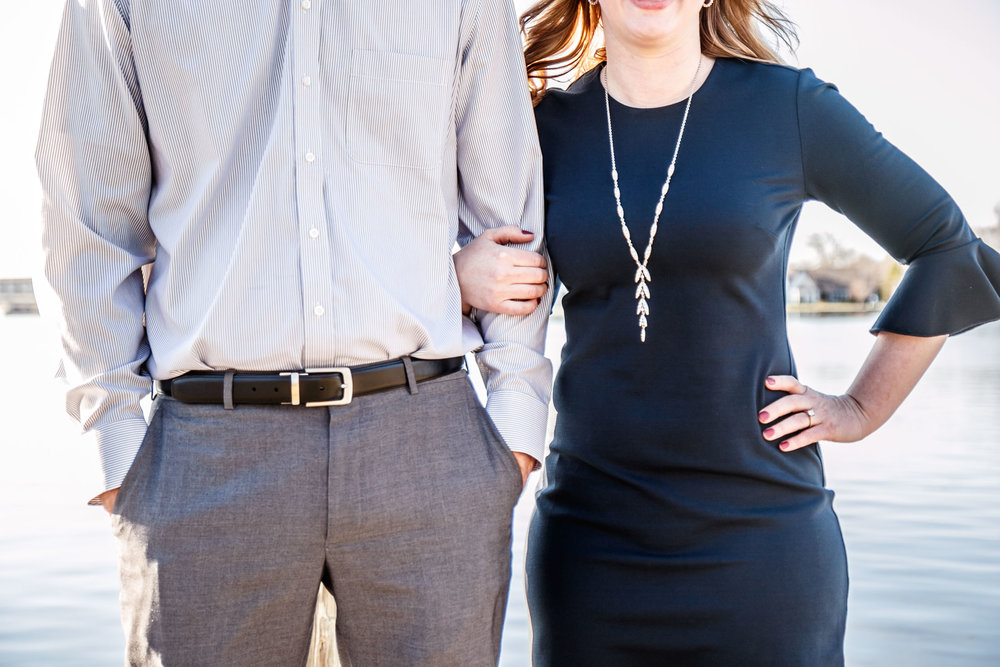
column 708, row 4
column 594, row 2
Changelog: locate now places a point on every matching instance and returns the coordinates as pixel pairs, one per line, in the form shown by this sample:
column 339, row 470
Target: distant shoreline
column 821, row 308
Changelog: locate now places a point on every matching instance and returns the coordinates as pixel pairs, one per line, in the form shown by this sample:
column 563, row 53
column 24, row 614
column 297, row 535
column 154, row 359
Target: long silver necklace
column 642, row 275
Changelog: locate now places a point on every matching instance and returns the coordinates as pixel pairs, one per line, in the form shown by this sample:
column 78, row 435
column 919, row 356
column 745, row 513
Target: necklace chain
column 642, row 275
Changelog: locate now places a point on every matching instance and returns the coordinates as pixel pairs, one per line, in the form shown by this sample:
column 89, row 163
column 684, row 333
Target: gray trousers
column 400, row 503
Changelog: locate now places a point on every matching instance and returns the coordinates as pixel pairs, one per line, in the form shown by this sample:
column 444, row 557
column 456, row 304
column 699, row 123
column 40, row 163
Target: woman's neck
column 647, row 80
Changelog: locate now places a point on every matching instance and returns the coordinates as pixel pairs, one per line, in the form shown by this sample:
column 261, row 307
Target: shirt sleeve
column 952, row 283
column 500, row 183
column 94, row 165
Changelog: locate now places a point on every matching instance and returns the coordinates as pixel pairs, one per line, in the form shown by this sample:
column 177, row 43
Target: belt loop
column 411, row 377
column 227, row 390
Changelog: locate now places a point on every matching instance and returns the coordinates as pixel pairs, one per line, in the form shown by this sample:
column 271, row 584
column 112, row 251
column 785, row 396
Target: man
column 292, row 176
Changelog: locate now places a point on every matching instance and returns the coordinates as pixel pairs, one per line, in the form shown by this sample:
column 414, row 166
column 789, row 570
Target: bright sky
column 925, row 72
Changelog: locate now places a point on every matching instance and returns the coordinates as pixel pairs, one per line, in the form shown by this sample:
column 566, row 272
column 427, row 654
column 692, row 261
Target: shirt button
column 307, row 5
column 307, row 80
column 310, row 157
column 319, row 310
column 314, row 233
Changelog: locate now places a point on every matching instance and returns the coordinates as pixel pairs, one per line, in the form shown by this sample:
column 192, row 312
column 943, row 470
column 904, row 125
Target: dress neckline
column 621, row 106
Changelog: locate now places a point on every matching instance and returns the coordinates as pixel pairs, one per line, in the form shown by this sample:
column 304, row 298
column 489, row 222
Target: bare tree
column 831, row 254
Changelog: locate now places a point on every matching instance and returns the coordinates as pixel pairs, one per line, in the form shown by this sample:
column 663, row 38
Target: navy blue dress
column 669, row 532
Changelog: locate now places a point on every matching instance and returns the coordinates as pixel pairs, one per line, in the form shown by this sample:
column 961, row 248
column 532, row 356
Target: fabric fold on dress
column 946, row 292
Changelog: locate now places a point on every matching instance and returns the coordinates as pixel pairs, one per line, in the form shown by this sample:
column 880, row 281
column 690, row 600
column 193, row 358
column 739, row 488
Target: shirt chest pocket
column 396, row 106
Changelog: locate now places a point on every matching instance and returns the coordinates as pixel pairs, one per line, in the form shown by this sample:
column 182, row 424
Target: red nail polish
column 784, row 446
column 769, row 380
column 768, row 432
column 764, row 416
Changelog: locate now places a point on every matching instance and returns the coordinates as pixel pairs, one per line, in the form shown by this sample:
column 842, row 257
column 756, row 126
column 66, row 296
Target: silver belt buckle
column 346, row 385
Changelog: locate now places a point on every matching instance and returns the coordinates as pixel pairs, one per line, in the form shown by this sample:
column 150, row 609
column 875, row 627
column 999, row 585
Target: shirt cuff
column 521, row 420
column 117, row 444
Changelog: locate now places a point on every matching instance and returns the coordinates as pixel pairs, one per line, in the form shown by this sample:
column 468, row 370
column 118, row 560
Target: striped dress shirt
column 292, row 178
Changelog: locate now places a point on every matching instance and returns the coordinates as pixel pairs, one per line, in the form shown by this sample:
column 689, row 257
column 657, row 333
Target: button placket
column 317, row 290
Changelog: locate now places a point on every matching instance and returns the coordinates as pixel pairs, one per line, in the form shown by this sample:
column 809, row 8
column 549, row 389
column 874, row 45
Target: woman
column 685, row 519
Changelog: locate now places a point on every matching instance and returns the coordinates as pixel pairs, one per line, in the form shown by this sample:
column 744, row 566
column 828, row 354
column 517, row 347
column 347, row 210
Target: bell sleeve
column 952, row 282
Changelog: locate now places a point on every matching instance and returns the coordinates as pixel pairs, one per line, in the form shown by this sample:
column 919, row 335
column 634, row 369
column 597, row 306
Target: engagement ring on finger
column 810, row 413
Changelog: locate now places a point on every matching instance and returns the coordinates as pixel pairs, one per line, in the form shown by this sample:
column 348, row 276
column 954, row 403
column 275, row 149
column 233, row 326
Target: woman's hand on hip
column 811, row 416
column 500, row 279
column 889, row 373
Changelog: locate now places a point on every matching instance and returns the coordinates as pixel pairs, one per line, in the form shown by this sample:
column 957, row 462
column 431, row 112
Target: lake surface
column 919, row 502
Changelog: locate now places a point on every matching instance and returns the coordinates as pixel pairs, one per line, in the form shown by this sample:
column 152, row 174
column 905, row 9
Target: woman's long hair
column 559, row 34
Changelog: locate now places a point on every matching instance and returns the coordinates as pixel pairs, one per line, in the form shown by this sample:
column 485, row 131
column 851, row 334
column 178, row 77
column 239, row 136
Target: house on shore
column 17, row 296
column 802, row 288
column 833, row 286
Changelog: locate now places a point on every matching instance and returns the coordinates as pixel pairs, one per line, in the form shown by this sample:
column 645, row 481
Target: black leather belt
column 310, row 388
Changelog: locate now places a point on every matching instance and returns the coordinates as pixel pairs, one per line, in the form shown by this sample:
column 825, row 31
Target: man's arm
column 94, row 165
column 501, row 183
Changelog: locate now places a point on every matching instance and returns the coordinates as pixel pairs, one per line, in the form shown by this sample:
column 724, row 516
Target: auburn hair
column 559, row 35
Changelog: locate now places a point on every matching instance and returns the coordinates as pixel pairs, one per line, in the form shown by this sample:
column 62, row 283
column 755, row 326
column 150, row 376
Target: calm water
column 919, row 502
